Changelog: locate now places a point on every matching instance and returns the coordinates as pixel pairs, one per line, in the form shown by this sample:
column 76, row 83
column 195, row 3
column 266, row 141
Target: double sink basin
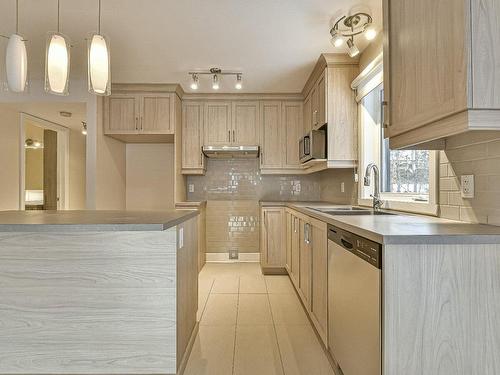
column 348, row 210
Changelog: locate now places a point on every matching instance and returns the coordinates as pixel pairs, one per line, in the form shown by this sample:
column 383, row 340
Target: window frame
column 393, row 201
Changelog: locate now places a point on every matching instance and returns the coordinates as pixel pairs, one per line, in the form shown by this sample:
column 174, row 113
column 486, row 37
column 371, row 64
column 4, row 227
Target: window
column 407, row 177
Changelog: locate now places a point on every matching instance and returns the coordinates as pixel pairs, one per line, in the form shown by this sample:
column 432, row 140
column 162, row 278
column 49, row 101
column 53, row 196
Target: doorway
column 44, row 164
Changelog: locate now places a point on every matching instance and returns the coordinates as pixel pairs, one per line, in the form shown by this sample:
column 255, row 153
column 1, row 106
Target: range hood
column 231, row 152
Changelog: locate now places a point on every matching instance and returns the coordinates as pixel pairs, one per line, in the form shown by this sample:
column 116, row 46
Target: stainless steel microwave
column 312, row 146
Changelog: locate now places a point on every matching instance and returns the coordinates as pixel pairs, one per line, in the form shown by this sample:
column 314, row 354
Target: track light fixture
column 216, row 74
column 84, row 128
column 347, row 27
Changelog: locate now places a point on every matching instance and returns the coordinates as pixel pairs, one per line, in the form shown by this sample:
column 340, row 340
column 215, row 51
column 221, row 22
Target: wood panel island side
column 97, row 292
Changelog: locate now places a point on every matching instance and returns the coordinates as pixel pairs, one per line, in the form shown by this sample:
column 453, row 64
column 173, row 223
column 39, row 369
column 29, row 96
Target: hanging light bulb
column 215, row 82
column 57, row 60
column 194, row 82
column 99, row 64
column 351, row 48
column 16, row 59
column 239, row 82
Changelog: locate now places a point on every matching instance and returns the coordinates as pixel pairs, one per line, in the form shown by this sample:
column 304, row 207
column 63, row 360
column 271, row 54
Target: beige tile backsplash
column 476, row 153
column 233, row 189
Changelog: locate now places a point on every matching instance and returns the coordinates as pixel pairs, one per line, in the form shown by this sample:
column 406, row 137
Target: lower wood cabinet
column 273, row 239
column 292, row 247
column 305, row 262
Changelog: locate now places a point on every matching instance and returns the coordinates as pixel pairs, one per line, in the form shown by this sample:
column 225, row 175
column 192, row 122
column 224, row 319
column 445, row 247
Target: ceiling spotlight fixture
column 347, row 27
column 57, row 58
column 84, row 128
column 194, row 81
column 239, row 83
column 16, row 59
column 351, row 48
column 215, row 82
column 215, row 74
column 32, row 144
column 99, row 66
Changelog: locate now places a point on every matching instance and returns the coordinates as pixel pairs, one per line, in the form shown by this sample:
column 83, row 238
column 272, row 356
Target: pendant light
column 16, row 59
column 57, row 61
column 99, row 68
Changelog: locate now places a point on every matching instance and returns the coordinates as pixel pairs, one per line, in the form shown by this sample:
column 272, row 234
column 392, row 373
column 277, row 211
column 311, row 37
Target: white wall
column 150, row 176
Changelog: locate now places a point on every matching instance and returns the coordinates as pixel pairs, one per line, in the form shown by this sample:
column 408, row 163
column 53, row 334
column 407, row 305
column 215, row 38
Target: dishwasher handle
column 346, row 244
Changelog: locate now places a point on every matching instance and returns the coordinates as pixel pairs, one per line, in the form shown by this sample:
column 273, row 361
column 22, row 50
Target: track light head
column 194, row 82
column 215, row 82
column 239, row 83
column 351, row 48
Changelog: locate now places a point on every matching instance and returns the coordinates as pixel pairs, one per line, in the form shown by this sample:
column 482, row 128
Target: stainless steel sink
column 350, row 211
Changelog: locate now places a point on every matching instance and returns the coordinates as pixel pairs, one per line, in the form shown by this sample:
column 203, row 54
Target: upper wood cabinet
column 193, row 160
column 217, row 123
column 140, row 117
column 281, row 127
column 329, row 100
column 245, row 129
column 434, row 89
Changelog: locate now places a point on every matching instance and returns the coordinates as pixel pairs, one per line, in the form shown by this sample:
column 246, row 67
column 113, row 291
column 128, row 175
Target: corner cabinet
column 273, row 240
column 445, row 87
column 193, row 160
column 330, row 104
column 140, row 117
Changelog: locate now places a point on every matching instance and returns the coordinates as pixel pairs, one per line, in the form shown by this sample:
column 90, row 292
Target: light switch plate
column 467, row 184
column 191, row 188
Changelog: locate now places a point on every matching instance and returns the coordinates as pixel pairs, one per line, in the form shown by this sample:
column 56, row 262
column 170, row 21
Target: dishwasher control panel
column 362, row 247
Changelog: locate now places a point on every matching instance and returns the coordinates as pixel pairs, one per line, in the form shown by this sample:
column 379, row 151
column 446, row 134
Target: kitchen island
column 97, row 292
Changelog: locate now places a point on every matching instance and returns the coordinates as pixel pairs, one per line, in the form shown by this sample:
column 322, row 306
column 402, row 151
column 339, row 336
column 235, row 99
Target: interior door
column 245, row 130
column 49, row 170
column 217, row 124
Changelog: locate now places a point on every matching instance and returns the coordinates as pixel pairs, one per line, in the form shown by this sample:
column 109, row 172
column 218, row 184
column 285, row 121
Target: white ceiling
column 50, row 111
column 274, row 42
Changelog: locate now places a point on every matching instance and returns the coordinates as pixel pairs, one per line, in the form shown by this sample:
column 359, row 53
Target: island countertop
column 92, row 220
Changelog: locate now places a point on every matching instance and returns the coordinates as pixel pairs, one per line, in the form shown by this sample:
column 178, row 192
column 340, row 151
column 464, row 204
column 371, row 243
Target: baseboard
column 224, row 257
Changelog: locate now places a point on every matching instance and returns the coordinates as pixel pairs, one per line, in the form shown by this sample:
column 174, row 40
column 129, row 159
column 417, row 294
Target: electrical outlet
column 191, row 188
column 233, row 254
column 467, row 183
column 342, row 187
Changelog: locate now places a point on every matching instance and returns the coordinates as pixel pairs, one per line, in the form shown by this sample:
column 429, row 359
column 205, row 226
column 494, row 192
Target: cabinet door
column 307, row 123
column 157, row 115
column 192, row 135
column 428, row 81
column 245, row 130
column 217, row 123
column 292, row 127
column 305, row 263
column 289, row 231
column 315, row 107
column 274, row 254
column 319, row 279
column 295, row 250
column 271, row 136
column 322, row 100
column 121, row 114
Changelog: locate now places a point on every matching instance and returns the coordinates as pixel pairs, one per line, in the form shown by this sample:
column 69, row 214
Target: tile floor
column 252, row 324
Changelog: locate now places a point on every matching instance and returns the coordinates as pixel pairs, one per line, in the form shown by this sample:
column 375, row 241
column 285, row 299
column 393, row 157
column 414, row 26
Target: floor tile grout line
column 206, row 300
column 274, row 328
column 236, row 324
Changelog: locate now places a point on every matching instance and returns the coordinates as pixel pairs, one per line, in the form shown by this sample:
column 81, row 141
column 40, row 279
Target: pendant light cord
column 17, row 16
column 99, row 19
column 58, row 15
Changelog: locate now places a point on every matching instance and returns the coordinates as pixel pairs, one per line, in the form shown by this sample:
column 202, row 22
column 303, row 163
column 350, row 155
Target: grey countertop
column 89, row 220
column 401, row 228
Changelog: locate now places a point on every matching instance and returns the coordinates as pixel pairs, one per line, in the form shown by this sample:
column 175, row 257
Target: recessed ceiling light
column 65, row 114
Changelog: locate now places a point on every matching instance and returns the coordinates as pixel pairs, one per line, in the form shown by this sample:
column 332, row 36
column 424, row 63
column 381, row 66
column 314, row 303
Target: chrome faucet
column 377, row 202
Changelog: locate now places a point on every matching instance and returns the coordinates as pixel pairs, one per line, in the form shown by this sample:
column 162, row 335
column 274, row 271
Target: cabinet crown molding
column 148, row 87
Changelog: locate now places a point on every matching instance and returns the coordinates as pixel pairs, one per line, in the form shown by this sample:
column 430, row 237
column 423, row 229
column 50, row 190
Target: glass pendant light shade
column 16, row 63
column 57, row 60
column 99, row 70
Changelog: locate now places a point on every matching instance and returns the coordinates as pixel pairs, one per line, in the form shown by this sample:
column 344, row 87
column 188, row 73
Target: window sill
column 424, row 208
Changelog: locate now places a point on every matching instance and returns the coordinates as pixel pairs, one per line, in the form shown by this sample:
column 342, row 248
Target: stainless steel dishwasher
column 354, row 302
